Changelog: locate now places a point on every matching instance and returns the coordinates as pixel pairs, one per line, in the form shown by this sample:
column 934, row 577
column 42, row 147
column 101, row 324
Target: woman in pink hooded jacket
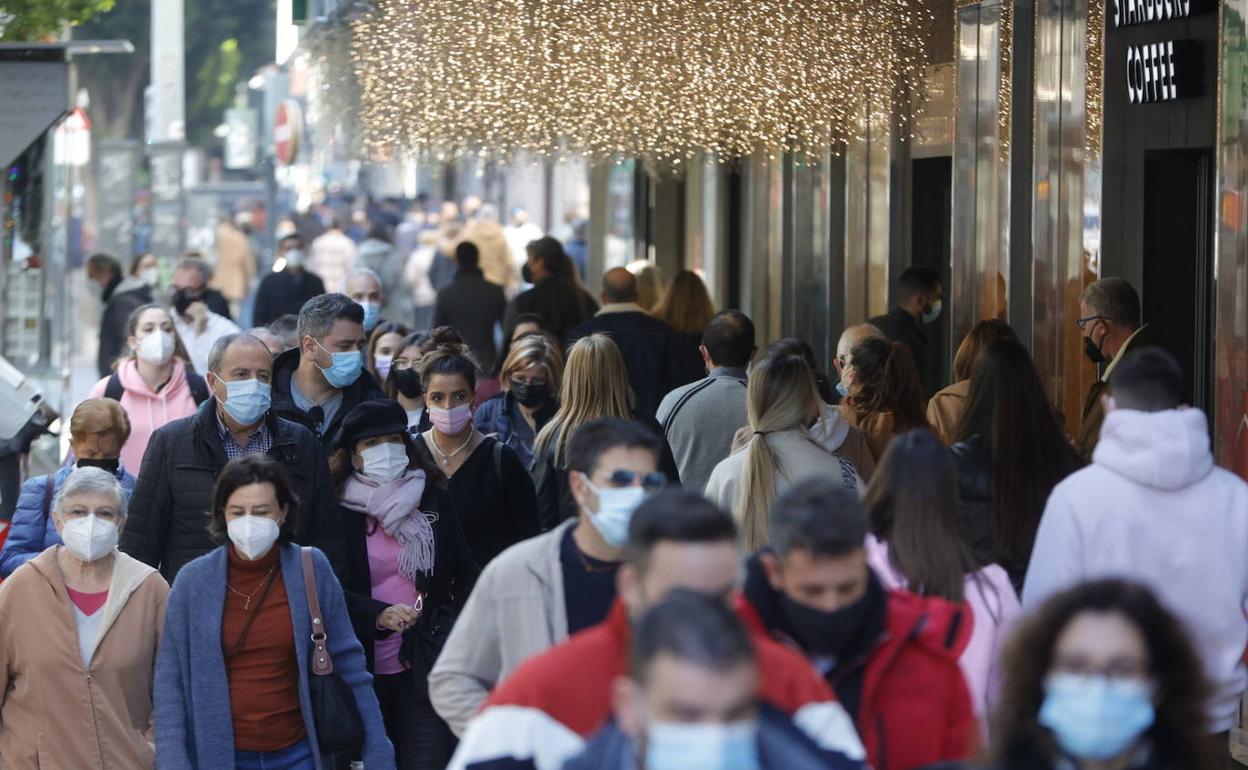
column 154, row 381
column 918, row 546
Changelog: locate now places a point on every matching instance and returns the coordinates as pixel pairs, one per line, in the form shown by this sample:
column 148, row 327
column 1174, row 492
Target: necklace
column 247, row 597
column 446, row 458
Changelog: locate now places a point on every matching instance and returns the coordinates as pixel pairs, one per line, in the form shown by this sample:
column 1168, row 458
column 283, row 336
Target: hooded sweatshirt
column 147, row 409
column 1153, row 508
column 53, row 711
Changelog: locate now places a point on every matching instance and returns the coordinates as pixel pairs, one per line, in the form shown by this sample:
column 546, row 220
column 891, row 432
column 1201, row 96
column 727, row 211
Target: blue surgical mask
column 615, row 511
column 247, row 400
column 841, row 390
column 932, row 313
column 709, row 746
column 344, row 370
column 1095, row 717
column 372, row 314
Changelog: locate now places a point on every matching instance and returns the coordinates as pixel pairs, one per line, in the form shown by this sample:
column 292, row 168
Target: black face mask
column 1093, row 351
column 827, row 633
column 182, row 299
column 110, row 464
column 530, row 394
column 526, row 273
column 408, row 382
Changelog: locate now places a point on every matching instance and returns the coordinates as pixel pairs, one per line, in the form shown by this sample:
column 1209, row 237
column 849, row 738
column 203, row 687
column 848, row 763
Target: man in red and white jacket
column 891, row 656
column 546, row 710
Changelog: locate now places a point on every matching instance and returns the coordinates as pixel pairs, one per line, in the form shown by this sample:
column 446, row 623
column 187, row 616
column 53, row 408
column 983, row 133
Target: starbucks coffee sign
column 1166, row 69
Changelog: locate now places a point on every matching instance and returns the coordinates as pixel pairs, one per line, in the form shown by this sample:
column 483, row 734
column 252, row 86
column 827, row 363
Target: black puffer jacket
column 977, row 497
column 168, row 522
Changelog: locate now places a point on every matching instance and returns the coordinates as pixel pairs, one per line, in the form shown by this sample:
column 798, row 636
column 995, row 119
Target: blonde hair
column 99, row 415
column 781, row 396
column 649, row 283
column 533, row 350
column 595, row 384
column 686, row 305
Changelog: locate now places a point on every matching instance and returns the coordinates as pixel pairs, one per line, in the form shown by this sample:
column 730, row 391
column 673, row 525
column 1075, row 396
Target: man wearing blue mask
column 917, row 301
column 319, row 382
column 692, row 700
column 364, row 287
column 541, row 591
column 167, row 527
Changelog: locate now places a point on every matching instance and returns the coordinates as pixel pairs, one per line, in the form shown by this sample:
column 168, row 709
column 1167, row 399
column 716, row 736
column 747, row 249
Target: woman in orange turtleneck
column 232, row 672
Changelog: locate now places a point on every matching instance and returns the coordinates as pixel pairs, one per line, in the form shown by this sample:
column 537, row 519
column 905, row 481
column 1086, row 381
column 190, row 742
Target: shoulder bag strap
column 498, row 459
column 322, row 663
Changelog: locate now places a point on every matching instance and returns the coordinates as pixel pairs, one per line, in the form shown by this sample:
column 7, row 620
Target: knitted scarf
column 396, row 508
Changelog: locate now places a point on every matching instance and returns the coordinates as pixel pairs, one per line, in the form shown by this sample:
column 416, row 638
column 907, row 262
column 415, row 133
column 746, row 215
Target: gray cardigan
column 194, row 726
column 515, row 611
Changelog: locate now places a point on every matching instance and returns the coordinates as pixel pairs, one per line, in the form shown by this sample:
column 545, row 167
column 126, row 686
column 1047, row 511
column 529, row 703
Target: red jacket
column 543, row 713
column 915, row 707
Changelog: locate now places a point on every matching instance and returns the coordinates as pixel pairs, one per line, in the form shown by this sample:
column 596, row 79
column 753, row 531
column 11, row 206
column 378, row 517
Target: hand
column 397, row 618
column 198, row 313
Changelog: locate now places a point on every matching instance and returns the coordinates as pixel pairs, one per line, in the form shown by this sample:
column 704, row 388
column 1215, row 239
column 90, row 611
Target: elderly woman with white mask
column 79, row 628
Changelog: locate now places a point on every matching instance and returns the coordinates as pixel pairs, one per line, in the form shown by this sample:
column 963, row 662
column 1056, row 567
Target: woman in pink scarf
column 410, row 571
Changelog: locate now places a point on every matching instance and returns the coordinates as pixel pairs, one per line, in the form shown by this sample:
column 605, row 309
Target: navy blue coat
column 649, row 349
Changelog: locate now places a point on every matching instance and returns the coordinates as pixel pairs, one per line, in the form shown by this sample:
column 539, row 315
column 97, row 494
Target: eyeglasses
column 651, row 482
column 1082, row 323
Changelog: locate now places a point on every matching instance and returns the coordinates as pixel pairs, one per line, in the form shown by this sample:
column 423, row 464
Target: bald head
column 619, row 285
column 854, row 335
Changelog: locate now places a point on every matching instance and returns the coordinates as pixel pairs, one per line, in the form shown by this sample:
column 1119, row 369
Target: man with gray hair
column 197, row 324
column 850, row 338
column 319, row 382
column 167, row 526
column 364, row 287
column 1109, row 319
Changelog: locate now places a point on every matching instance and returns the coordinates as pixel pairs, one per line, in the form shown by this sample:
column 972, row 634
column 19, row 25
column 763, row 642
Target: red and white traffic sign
column 287, row 131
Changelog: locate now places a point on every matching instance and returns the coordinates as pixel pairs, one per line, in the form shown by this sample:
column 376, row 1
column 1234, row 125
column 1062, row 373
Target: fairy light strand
column 661, row 80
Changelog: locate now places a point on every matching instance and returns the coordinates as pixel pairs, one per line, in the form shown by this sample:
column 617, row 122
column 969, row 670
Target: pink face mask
column 450, row 422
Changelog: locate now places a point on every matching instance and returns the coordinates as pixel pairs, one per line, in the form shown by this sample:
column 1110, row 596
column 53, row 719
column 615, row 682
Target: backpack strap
column 47, row 498
column 498, row 459
column 198, row 387
column 114, row 389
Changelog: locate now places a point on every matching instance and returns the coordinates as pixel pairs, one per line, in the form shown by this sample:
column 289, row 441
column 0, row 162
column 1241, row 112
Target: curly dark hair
column 1178, row 734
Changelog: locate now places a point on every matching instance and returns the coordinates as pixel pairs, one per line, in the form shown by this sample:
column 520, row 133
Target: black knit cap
column 369, row 419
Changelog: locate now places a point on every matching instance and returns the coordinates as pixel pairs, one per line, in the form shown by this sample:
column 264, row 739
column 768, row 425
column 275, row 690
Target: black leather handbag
column 339, row 728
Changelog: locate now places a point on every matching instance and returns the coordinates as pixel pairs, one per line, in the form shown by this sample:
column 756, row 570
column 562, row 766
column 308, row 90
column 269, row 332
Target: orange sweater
column 264, row 675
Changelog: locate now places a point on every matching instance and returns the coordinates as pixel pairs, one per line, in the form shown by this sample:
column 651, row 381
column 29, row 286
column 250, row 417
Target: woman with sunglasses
column 492, row 491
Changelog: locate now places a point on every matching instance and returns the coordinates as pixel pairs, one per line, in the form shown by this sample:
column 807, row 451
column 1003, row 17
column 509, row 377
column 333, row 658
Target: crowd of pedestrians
column 514, row 526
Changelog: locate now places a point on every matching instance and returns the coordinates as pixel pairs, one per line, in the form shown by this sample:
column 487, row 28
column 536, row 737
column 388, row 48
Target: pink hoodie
column 148, row 410
column 994, row 609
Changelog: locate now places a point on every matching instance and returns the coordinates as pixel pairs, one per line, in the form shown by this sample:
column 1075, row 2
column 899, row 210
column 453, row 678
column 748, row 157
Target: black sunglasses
column 651, row 482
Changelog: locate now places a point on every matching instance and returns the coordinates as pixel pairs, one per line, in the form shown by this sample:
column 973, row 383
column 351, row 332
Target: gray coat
column 515, row 611
column 699, row 421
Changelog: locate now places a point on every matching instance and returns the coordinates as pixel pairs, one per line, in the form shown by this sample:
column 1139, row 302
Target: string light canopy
column 660, row 80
